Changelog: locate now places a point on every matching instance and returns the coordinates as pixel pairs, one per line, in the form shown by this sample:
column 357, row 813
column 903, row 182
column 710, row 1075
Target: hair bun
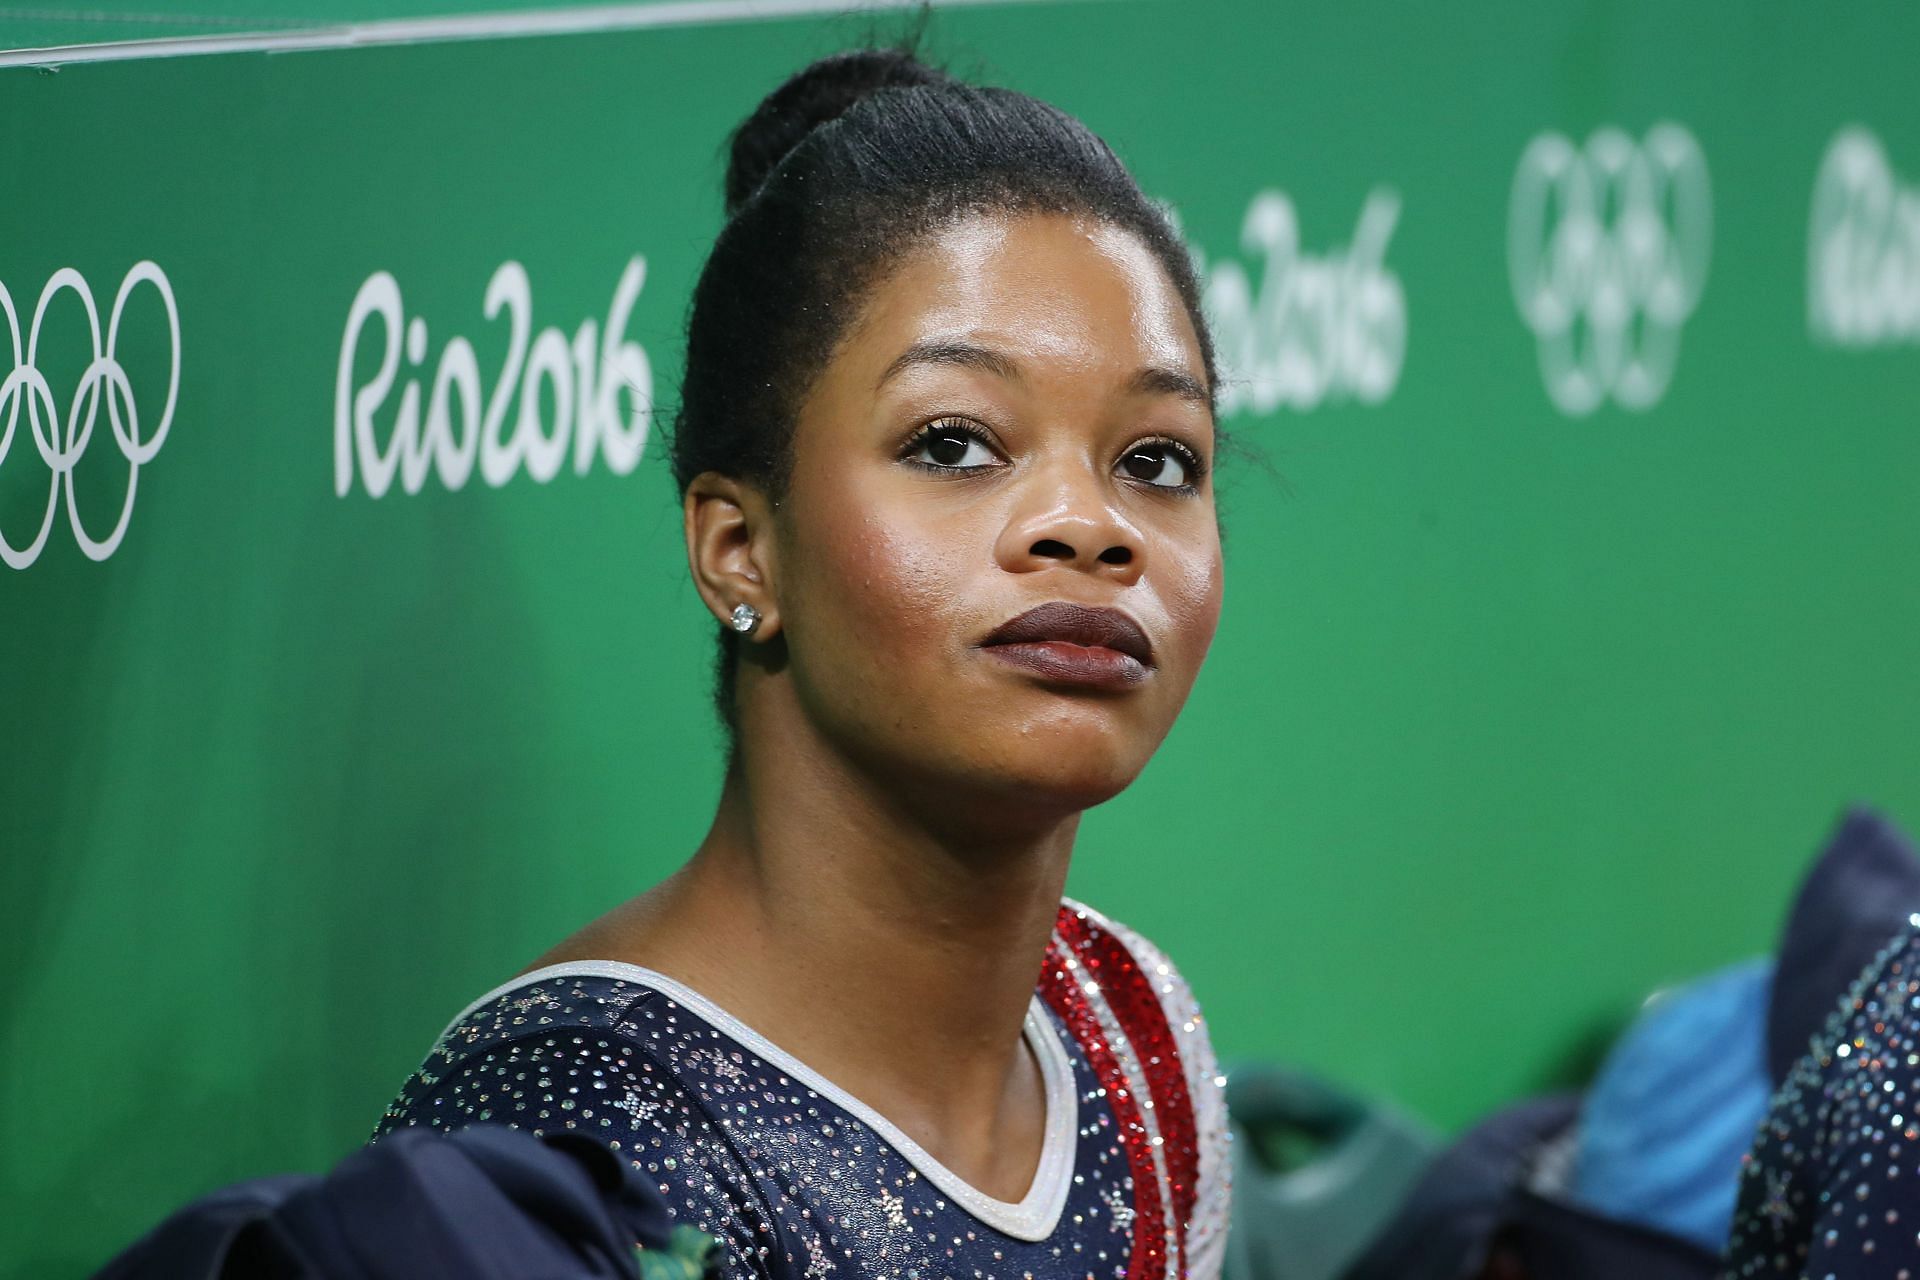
column 822, row 91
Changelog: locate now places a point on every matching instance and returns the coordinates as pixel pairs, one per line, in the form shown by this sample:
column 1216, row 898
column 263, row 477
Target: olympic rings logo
column 1607, row 250
column 61, row 443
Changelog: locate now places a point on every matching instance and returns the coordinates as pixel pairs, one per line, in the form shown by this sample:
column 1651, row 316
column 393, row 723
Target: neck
column 886, row 903
column 890, row 941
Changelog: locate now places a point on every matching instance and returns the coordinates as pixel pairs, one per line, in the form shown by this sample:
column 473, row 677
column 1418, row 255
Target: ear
column 729, row 530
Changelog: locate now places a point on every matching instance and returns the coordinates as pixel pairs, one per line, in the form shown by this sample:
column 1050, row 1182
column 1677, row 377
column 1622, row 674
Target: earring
column 745, row 618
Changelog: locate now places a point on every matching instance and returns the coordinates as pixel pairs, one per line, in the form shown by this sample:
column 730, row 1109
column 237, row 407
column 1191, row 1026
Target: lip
column 1075, row 644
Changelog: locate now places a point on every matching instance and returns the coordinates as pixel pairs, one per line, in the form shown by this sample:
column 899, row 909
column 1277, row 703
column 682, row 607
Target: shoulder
column 1140, row 1024
column 499, row 1058
column 585, row 1047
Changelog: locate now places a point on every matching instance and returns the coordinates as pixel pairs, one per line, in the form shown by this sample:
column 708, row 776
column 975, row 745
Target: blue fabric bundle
column 1676, row 1106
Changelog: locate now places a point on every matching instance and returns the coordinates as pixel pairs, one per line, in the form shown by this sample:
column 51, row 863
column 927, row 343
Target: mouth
column 1075, row 644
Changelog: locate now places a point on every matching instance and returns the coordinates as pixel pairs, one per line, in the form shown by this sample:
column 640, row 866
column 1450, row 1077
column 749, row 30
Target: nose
column 1072, row 523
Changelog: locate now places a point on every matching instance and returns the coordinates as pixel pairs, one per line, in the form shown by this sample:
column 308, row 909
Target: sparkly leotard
column 1831, row 1189
column 801, row 1180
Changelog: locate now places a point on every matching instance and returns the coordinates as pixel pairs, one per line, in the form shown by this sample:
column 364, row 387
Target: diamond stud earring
column 745, row 618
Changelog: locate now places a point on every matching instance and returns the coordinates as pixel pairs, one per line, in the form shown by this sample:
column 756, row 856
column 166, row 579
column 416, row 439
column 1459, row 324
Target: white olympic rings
column 1607, row 251
column 61, row 446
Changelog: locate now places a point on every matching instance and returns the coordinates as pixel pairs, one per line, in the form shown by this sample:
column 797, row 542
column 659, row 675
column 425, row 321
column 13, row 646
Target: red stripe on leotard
column 1060, row 988
column 1130, row 993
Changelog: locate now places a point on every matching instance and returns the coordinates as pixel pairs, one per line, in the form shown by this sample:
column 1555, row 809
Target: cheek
column 886, row 589
column 1193, row 596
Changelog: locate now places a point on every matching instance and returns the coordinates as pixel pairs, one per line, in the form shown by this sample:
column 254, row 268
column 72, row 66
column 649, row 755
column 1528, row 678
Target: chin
column 996, row 785
column 1072, row 770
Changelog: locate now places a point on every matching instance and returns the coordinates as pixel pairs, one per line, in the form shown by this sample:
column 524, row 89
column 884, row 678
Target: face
column 1018, row 418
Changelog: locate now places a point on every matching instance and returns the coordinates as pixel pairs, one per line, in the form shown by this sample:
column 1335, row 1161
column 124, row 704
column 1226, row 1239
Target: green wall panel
column 1515, row 713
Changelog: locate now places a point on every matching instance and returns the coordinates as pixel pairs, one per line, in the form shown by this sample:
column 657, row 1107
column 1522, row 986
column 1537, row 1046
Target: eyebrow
column 1157, row 379
column 1150, row 379
column 940, row 351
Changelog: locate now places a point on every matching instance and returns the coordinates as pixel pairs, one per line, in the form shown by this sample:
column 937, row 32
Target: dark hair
column 835, row 175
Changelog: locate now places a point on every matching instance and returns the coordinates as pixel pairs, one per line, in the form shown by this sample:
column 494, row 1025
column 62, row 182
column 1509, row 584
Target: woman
column 944, row 453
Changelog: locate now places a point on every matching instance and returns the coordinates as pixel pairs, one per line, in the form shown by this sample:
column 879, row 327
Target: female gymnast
column 945, row 451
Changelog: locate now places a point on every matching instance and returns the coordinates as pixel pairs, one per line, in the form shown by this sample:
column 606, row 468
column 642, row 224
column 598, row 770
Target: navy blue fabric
column 1472, row 1216
column 484, row 1203
column 1446, row 1225
column 1545, row 1239
column 1829, row 1189
column 1856, row 897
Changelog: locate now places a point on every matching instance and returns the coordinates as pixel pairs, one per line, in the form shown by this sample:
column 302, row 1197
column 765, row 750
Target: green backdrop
column 1579, row 597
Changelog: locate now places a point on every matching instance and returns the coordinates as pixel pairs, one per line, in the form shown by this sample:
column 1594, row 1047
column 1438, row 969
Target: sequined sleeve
column 1832, row 1186
column 1135, row 1013
column 1207, row 1230
column 600, row 1081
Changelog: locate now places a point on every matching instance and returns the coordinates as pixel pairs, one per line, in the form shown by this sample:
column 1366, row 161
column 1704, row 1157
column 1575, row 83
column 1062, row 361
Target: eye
column 950, row 445
column 1165, row 464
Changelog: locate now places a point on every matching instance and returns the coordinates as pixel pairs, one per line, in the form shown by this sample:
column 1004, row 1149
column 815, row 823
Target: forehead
column 1060, row 291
